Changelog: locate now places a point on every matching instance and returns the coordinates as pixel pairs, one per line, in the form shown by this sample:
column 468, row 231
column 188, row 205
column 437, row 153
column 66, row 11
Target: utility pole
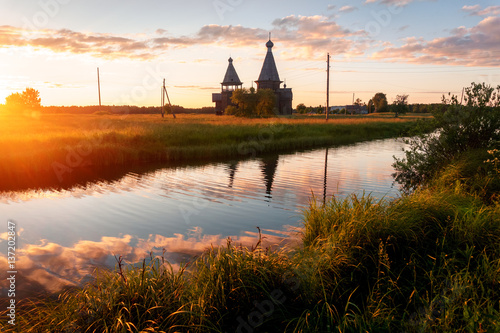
column 352, row 102
column 99, row 87
column 163, row 100
column 327, row 85
column 164, row 92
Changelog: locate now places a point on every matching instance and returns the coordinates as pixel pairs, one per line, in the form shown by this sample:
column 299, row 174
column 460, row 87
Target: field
column 54, row 146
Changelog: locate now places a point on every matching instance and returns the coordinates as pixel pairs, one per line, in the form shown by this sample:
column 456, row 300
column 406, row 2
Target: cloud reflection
column 48, row 267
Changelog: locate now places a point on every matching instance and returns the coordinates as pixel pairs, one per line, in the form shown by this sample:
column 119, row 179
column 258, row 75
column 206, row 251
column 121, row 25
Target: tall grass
column 60, row 143
column 422, row 263
column 425, row 262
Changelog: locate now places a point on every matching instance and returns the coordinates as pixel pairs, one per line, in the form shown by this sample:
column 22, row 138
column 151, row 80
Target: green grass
column 425, row 262
column 428, row 262
column 56, row 145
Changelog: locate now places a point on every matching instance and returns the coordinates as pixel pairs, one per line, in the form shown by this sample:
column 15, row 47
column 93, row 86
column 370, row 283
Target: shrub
column 458, row 128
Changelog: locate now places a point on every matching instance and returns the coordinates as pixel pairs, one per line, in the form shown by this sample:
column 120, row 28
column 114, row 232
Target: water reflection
column 269, row 166
column 68, row 230
column 48, row 267
column 233, row 166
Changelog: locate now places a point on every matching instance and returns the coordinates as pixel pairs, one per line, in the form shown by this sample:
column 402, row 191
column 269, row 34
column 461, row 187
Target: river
column 64, row 233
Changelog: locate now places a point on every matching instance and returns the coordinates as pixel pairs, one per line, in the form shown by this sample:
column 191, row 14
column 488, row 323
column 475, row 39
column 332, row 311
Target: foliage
column 458, row 128
column 252, row 103
column 400, row 105
column 380, row 102
column 29, row 98
column 359, row 102
column 301, row 108
column 371, row 107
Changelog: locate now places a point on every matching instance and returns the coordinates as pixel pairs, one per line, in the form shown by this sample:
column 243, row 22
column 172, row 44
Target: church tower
column 230, row 83
column 270, row 79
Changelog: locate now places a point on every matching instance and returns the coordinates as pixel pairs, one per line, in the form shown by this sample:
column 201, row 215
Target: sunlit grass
column 47, row 142
column 429, row 262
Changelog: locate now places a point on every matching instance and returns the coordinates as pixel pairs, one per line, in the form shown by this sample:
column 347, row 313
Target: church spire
column 269, row 74
column 231, row 78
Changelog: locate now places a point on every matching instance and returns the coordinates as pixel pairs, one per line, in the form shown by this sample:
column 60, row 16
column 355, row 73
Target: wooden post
column 168, row 99
column 99, row 87
column 327, row 85
column 325, row 185
column 163, row 100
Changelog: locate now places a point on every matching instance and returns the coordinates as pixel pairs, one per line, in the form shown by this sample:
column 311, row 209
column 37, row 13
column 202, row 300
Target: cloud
column 309, row 36
column 348, row 9
column 396, row 3
column 305, row 34
column 477, row 11
column 476, row 46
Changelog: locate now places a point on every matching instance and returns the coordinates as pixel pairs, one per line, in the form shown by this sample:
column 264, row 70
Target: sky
column 423, row 48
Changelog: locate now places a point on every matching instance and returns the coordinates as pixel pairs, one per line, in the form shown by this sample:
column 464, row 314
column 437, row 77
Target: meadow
column 46, row 146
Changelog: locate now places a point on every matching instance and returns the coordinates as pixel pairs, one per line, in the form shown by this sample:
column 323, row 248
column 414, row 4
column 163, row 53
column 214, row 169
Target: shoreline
column 63, row 150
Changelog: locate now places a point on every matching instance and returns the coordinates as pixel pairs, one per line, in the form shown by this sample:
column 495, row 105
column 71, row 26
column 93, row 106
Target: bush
column 458, row 129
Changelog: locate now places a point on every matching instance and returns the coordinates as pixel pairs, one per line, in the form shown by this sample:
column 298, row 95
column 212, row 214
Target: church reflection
column 233, row 166
column 269, row 164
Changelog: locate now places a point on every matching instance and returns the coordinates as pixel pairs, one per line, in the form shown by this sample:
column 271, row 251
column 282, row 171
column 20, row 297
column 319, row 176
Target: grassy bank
column 427, row 262
column 59, row 144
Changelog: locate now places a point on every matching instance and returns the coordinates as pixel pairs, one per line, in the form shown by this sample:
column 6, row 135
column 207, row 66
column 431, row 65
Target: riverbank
column 56, row 147
column 427, row 262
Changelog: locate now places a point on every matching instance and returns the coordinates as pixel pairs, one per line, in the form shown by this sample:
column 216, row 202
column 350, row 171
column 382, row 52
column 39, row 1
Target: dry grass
column 46, row 146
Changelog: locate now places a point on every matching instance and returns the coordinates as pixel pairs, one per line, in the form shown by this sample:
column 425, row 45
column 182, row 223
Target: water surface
column 65, row 233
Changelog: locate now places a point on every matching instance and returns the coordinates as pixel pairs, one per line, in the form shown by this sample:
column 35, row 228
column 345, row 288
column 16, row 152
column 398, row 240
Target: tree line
column 30, row 100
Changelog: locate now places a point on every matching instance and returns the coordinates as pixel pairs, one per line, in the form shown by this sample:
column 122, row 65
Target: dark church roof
column 231, row 78
column 269, row 71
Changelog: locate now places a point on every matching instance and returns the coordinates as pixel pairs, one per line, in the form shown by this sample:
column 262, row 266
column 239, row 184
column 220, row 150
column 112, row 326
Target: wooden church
column 268, row 79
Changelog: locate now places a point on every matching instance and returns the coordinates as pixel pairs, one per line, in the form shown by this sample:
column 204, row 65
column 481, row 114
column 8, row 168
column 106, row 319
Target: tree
column 380, row 102
column 29, row 98
column 301, row 108
column 358, row 102
column 458, row 129
column 371, row 107
column 249, row 103
column 266, row 103
column 400, row 105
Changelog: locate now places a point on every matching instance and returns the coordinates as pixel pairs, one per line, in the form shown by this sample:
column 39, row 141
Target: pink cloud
column 306, row 33
column 466, row 47
column 477, row 11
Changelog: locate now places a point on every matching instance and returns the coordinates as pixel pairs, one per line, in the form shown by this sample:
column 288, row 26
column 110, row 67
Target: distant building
column 268, row 79
column 350, row 109
column 230, row 83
